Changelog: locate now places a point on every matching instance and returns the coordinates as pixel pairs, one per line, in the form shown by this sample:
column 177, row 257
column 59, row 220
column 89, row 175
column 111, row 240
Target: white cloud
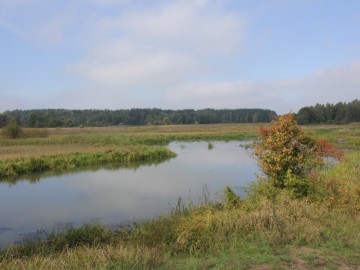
column 134, row 47
column 222, row 95
column 185, row 26
column 336, row 83
column 170, row 54
column 125, row 64
column 205, row 91
column 328, row 85
column 159, row 46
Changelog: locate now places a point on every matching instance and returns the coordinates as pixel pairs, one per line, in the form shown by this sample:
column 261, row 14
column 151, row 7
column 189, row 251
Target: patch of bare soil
column 309, row 259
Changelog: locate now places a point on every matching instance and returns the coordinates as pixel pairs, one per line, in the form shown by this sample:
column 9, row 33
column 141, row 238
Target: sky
column 178, row 54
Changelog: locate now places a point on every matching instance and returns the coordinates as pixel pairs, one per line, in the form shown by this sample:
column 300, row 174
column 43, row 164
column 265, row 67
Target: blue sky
column 115, row 54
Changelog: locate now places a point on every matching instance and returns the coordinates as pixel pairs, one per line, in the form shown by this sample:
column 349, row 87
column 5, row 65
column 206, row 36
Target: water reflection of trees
column 36, row 177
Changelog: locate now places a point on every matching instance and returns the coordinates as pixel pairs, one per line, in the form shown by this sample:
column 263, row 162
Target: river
column 115, row 196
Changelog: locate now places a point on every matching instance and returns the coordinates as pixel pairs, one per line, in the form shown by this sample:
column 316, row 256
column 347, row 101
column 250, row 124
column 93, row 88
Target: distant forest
column 99, row 118
column 340, row 113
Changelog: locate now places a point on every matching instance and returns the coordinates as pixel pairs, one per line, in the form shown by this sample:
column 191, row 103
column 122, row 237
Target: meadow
column 269, row 229
column 68, row 148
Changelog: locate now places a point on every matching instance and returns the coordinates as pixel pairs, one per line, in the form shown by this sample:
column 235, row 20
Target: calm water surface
column 123, row 195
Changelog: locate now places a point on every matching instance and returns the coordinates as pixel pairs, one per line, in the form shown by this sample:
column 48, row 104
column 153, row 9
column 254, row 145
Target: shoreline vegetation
column 65, row 149
column 269, row 229
column 127, row 158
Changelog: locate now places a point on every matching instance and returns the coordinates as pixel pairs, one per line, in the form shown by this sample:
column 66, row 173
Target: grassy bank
column 64, row 149
column 126, row 156
column 346, row 136
column 268, row 230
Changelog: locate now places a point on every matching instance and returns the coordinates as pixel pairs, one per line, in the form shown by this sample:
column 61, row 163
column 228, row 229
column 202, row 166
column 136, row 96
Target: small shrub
column 12, row 131
column 285, row 150
column 231, row 199
column 297, row 187
column 261, row 189
column 330, row 150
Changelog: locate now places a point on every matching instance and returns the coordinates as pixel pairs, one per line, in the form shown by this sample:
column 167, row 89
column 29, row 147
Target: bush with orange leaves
column 289, row 155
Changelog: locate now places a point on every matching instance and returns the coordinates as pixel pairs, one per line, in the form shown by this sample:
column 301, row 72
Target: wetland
column 262, row 227
column 114, row 196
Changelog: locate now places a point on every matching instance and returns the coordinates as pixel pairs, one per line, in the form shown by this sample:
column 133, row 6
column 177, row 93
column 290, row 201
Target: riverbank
column 267, row 230
column 63, row 162
column 70, row 148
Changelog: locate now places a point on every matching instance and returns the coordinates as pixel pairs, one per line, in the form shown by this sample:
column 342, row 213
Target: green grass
column 345, row 136
column 65, row 162
column 269, row 229
column 67, row 149
column 321, row 231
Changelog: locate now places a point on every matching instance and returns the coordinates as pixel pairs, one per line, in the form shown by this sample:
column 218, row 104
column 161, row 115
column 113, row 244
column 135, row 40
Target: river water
column 115, row 196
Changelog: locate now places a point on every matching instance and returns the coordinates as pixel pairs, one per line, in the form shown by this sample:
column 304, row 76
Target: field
column 267, row 230
column 89, row 140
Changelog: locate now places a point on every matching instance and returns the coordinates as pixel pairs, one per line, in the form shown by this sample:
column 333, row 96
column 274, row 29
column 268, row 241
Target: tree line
column 99, row 118
column 339, row 113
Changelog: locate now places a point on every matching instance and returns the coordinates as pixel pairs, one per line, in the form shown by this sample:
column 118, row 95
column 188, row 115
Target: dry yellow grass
column 161, row 129
column 291, row 229
column 126, row 257
column 28, row 151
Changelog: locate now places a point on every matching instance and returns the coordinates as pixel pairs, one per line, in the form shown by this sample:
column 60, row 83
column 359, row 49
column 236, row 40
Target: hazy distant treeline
column 340, row 113
column 92, row 118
